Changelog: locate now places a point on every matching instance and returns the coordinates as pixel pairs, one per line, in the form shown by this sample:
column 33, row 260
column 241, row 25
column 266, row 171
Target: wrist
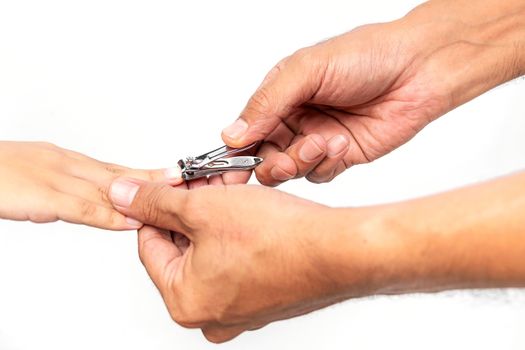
column 392, row 249
column 468, row 238
column 467, row 48
column 361, row 254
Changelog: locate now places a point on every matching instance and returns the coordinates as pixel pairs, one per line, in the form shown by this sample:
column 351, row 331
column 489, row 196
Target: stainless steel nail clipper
column 217, row 162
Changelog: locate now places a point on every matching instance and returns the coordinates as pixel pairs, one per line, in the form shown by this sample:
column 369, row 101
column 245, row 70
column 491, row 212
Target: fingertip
column 122, row 192
column 148, row 231
column 235, row 177
column 337, row 145
column 133, row 224
column 233, row 133
column 287, row 164
column 215, row 180
column 120, row 222
column 173, row 175
column 328, row 169
column 203, row 181
column 312, row 149
column 234, row 143
column 279, row 174
column 240, row 142
column 276, row 168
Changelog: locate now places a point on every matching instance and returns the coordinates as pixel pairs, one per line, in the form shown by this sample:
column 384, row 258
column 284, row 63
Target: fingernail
column 133, row 222
column 236, row 130
column 173, row 173
column 310, row 151
column 279, row 174
column 336, row 145
column 123, row 192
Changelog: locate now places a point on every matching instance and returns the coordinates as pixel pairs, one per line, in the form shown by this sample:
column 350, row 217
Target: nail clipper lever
column 217, row 162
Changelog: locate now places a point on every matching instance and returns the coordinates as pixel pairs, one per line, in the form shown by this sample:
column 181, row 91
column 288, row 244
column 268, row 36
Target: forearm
column 475, row 44
column 468, row 238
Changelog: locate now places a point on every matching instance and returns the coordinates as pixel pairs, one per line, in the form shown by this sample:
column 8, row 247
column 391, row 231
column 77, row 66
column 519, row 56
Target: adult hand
column 358, row 96
column 41, row 182
column 232, row 258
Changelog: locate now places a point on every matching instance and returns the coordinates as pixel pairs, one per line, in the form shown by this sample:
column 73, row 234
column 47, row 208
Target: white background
column 144, row 83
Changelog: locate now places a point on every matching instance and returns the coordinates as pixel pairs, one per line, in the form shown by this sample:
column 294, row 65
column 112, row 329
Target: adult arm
column 228, row 259
column 356, row 97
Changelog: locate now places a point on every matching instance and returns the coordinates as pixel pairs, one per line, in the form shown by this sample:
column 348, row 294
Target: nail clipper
column 217, row 162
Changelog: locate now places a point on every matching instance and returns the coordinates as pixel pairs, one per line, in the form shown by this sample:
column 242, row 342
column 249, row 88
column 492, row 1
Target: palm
column 378, row 104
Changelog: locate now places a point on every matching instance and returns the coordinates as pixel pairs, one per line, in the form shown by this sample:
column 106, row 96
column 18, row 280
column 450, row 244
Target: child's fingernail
column 236, row 130
column 123, row 192
column 133, row 222
column 173, row 173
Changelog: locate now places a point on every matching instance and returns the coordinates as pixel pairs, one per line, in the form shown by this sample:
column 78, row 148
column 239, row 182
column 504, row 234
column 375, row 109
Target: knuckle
column 315, row 179
column 260, row 102
column 45, row 144
column 151, row 175
column 263, row 176
column 193, row 211
column 223, row 316
column 152, row 203
column 303, row 57
column 113, row 169
column 215, row 336
column 186, row 314
column 220, row 334
column 86, row 209
column 42, row 217
column 103, row 192
column 51, row 156
column 275, row 71
column 145, row 245
column 112, row 220
column 362, row 27
column 186, row 321
column 347, row 162
column 311, row 61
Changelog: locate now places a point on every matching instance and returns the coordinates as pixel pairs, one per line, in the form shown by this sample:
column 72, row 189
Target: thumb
column 292, row 82
column 155, row 204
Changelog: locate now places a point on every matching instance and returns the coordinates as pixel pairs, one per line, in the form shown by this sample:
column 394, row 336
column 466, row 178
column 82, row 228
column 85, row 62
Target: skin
column 43, row 183
column 226, row 267
column 356, row 97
